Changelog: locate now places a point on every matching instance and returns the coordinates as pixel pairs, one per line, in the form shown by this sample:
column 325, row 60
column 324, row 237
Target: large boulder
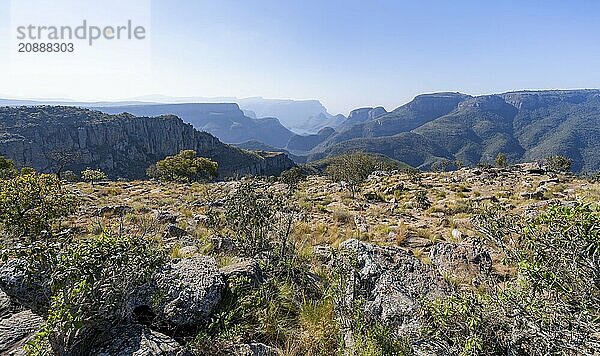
column 462, row 261
column 137, row 340
column 17, row 330
column 25, row 286
column 388, row 283
column 182, row 293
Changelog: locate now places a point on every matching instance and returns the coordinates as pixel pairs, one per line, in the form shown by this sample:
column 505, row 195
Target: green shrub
column 31, row 203
column 422, row 200
column 501, row 160
column 558, row 163
column 551, row 305
column 293, row 177
column 27, row 170
column 184, row 167
column 90, row 281
column 257, row 219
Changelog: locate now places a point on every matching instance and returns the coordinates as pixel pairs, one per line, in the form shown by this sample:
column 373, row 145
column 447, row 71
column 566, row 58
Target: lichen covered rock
column 138, row 340
column 16, row 330
column 389, row 284
column 182, row 293
column 30, row 290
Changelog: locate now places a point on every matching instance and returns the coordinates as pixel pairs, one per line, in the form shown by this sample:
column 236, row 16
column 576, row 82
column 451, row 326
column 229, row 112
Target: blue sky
column 345, row 53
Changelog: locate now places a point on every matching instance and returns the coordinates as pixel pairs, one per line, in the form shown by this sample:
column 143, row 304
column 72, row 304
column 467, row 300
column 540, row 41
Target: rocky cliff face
column 121, row 145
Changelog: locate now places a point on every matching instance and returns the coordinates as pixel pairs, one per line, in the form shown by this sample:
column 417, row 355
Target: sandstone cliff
column 121, row 145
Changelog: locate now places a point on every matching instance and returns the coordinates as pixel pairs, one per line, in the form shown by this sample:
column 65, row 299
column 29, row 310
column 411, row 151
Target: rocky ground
column 411, row 235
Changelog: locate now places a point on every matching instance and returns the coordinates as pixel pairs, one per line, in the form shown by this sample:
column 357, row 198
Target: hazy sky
column 345, row 53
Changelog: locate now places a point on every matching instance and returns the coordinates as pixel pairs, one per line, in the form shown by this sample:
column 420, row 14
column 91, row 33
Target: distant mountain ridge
column 524, row 125
column 223, row 120
column 301, row 116
column 232, row 120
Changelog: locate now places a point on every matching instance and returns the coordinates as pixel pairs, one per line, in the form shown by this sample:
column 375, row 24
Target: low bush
column 550, row 305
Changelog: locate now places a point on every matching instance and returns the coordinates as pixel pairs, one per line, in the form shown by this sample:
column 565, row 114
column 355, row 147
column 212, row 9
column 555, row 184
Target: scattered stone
column 538, row 194
column 255, row 349
column 174, row 231
column 491, row 198
column 530, row 168
column 114, row 210
column 217, row 203
column 201, row 219
column 247, row 268
column 323, row 252
column 456, row 234
column 188, row 250
column 549, row 181
column 398, row 187
column 166, row 217
column 371, row 196
column 361, row 224
column 392, row 236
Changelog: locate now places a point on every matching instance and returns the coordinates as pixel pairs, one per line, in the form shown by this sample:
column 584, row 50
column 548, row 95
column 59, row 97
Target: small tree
column 61, row 158
column 292, row 177
column 501, row 160
column 30, row 203
column 352, row 169
column 7, row 168
column 92, row 175
column 559, row 163
column 184, row 167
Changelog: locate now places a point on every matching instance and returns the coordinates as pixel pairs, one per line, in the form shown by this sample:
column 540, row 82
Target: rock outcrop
column 364, row 114
column 246, row 268
column 30, row 290
column 389, row 283
column 123, row 146
column 254, row 349
column 16, row 330
column 465, row 261
column 183, row 293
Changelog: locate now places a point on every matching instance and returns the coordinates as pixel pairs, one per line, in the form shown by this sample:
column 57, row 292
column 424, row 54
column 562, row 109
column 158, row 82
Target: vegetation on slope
column 515, row 255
